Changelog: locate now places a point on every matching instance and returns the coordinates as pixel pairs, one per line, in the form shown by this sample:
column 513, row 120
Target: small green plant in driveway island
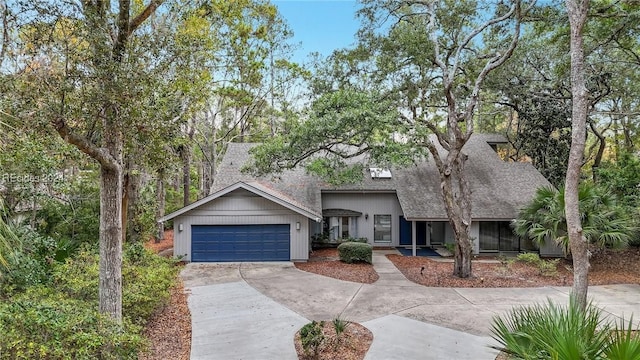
column 312, row 338
column 339, row 325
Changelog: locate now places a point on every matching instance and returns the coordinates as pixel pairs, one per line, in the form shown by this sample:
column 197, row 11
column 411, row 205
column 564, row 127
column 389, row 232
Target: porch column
column 413, row 238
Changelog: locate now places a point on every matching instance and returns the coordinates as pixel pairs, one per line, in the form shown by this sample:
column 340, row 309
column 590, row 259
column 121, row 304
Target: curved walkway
column 252, row 310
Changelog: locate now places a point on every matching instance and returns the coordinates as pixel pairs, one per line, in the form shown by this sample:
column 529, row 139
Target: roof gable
column 255, row 188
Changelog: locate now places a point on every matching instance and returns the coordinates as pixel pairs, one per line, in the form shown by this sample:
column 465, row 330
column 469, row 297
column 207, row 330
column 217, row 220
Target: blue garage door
column 240, row 243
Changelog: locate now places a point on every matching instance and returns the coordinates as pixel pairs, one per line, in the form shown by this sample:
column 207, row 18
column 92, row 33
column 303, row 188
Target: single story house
column 273, row 218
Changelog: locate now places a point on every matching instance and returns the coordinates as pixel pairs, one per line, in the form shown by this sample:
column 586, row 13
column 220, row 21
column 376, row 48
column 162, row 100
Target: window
column 345, row 227
column 498, row 236
column 382, row 228
column 337, row 227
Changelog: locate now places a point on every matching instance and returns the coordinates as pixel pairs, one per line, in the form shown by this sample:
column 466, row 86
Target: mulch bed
column 164, row 244
column 325, row 262
column 607, row 267
column 169, row 329
column 508, row 274
column 352, row 344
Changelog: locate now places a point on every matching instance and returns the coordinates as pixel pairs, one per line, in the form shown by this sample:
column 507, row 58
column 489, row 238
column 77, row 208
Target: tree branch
column 99, row 154
column 144, row 15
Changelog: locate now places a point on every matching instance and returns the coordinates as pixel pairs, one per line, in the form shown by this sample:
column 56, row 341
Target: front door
column 406, row 232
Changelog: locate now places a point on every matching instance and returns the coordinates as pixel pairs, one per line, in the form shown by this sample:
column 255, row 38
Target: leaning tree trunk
column 577, row 10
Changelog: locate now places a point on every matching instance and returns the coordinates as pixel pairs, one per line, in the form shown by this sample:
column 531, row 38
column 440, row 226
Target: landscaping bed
column 352, row 344
column 169, row 330
column 325, row 262
column 607, row 267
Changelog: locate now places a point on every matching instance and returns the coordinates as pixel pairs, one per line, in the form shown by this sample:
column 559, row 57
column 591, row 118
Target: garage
column 269, row 242
column 243, row 222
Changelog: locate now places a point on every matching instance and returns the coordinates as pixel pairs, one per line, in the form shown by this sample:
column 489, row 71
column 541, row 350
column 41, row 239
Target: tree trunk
column 601, row 147
column 186, row 176
column 460, row 216
column 577, row 11
column 125, row 204
column 110, row 287
column 160, row 197
column 457, row 200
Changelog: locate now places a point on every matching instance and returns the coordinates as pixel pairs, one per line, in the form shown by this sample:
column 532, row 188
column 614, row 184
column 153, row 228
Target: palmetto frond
column 603, row 221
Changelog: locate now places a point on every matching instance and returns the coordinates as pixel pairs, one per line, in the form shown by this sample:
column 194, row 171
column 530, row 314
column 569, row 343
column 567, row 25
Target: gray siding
column 368, row 203
column 238, row 208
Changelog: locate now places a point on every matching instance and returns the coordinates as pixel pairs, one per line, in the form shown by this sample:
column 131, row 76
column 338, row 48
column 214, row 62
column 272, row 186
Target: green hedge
column 351, row 252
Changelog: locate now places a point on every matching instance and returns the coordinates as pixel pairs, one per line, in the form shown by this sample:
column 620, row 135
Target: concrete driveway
column 252, row 311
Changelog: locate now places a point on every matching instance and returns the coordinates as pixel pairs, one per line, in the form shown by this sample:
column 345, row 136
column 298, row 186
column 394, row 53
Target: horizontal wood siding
column 372, row 204
column 241, row 210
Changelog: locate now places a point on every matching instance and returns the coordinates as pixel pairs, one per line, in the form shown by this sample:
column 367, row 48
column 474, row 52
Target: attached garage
column 243, row 222
column 240, row 242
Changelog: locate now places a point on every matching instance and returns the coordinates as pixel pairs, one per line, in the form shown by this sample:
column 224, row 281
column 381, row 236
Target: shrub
column 146, row 279
column 30, row 264
column 624, row 342
column 351, row 252
column 43, row 323
column 73, row 220
column 545, row 267
column 450, row 247
column 548, row 267
column 529, row 258
column 552, row 332
column 312, row 337
column 339, row 325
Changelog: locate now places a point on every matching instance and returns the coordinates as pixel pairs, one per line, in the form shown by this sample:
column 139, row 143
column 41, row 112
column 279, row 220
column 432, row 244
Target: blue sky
column 319, row 25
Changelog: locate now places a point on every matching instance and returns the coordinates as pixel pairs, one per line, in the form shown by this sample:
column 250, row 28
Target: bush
column 43, row 323
column 546, row 267
column 30, row 264
column 146, row 280
column 74, row 220
column 312, row 337
column 351, row 252
column 360, row 240
column 552, row 332
column 555, row 332
column 529, row 258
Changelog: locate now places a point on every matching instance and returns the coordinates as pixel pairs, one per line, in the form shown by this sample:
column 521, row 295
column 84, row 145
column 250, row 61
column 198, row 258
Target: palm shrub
column 604, row 223
column 624, row 343
column 552, row 331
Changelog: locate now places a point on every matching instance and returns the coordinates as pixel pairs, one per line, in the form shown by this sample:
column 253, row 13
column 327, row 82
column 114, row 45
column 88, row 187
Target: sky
column 319, row 25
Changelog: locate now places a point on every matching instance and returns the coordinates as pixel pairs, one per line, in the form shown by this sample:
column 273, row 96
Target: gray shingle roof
column 499, row 189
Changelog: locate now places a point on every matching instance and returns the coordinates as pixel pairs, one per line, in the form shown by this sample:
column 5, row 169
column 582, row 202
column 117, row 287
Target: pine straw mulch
column 169, row 329
column 352, row 344
column 325, row 262
column 165, row 244
column 607, row 267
